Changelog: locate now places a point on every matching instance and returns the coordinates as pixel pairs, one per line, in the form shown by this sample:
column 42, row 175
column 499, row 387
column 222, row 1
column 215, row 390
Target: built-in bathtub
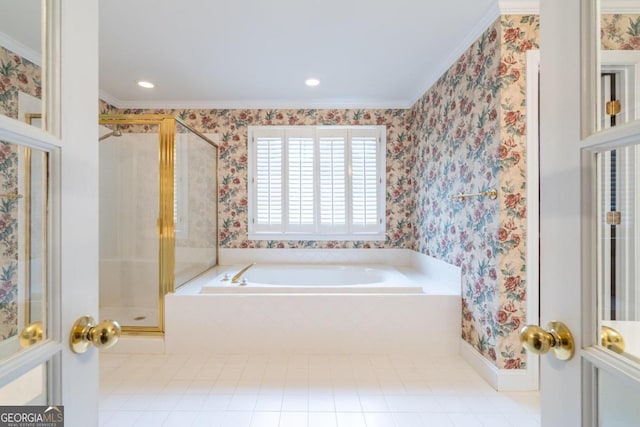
column 312, row 278
column 410, row 303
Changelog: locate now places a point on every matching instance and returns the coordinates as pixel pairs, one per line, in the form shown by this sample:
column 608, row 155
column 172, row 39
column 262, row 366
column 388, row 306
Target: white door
column 48, row 372
column 597, row 387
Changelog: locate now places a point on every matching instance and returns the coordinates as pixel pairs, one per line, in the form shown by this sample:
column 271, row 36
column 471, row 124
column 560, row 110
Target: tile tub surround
column 319, row 323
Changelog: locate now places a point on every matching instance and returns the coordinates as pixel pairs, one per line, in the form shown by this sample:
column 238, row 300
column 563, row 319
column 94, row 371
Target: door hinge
column 613, row 107
column 614, row 218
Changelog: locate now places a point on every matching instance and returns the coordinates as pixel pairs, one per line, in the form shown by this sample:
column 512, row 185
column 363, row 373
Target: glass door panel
column 129, row 244
column 23, row 247
column 195, row 204
column 618, row 250
column 30, row 388
column 22, row 75
column 617, row 402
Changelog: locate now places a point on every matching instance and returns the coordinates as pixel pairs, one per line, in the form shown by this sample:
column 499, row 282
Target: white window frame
column 314, row 231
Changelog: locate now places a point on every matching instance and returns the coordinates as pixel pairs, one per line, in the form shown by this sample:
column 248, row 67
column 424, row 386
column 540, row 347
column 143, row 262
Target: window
column 317, row 183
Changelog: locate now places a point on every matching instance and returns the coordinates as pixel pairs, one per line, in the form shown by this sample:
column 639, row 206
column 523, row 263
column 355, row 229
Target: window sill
column 319, row 237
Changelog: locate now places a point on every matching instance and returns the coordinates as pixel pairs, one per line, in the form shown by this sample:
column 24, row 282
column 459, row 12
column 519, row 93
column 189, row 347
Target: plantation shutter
column 364, row 183
column 317, row 183
column 333, row 183
column 268, row 183
column 300, row 185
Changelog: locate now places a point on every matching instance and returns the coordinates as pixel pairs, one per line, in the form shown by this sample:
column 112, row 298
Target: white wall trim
column 533, row 203
column 499, row 379
column 257, row 104
column 522, row 7
column 620, row 6
column 532, row 7
column 107, row 97
column 21, row 49
column 476, row 31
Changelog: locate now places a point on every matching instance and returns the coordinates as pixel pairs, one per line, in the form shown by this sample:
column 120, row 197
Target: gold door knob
column 85, row 332
column 557, row 339
column 612, row 339
column 31, row 335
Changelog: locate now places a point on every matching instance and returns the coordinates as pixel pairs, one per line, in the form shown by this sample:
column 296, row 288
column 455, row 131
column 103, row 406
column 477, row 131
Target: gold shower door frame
column 166, row 224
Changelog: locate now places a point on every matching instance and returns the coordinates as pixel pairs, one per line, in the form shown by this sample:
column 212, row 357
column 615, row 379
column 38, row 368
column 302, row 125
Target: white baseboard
column 500, row 379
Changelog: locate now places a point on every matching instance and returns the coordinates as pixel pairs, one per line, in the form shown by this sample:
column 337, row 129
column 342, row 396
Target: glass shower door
column 129, row 243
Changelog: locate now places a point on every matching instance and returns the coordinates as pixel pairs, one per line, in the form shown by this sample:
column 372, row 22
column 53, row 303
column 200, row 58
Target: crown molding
column 110, row 99
column 619, row 6
column 476, row 31
column 519, row 7
column 20, row 49
column 254, row 104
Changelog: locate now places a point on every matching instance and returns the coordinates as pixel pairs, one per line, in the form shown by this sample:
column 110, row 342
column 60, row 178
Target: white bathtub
column 313, row 278
column 409, row 303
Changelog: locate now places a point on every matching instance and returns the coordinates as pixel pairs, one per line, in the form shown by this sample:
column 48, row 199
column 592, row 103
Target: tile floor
column 247, row 390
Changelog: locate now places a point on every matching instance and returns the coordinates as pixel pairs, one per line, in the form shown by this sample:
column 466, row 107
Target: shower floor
column 131, row 316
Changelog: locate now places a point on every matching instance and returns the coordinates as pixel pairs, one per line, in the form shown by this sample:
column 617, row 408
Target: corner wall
column 471, row 136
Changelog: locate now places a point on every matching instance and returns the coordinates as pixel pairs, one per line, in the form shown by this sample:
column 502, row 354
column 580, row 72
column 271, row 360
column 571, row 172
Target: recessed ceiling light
column 312, row 82
column 146, row 85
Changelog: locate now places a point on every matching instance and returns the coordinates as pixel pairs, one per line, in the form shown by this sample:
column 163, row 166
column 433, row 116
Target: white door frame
column 79, row 198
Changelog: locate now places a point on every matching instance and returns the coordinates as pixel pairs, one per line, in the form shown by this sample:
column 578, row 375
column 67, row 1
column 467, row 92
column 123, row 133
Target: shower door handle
column 86, row 331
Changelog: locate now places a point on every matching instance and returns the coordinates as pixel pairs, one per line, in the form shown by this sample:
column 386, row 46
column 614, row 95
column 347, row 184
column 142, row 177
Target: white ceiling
column 257, row 53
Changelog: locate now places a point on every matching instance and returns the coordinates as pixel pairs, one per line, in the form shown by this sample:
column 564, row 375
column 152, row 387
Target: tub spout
column 237, row 277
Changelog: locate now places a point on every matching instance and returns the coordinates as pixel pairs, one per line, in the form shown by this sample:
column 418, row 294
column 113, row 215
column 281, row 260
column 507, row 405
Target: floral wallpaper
column 519, row 34
column 232, row 126
column 8, row 241
column 471, row 136
column 16, row 75
column 620, row 32
column 457, row 130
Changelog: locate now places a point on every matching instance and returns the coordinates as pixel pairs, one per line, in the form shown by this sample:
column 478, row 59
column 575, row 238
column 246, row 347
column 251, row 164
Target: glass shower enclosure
column 158, row 214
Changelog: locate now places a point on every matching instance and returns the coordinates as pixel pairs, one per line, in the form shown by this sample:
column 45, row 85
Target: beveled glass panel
column 22, row 74
column 23, row 247
column 618, row 250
